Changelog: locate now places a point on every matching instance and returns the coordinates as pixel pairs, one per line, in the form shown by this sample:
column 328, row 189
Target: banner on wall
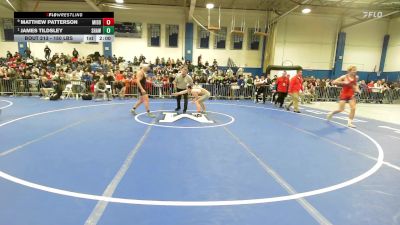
column 8, row 29
column 128, row 29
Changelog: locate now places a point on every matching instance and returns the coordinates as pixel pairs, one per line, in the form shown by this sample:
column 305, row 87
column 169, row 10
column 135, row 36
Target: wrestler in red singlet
column 349, row 87
column 347, row 92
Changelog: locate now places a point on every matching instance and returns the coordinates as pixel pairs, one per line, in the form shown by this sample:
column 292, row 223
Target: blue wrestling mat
column 75, row 162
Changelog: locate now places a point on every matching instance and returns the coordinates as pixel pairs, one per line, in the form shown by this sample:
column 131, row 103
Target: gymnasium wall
column 310, row 41
column 306, row 40
column 364, row 45
column 392, row 62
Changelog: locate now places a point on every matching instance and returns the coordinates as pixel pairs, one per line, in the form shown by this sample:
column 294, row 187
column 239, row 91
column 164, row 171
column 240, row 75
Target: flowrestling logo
column 171, row 117
column 372, row 14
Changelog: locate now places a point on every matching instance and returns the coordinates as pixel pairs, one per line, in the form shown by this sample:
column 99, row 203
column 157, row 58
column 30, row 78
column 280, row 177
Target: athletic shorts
column 204, row 97
column 140, row 93
column 346, row 98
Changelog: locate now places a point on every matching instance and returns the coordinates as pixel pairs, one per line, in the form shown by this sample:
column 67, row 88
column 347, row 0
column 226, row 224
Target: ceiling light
column 306, row 10
column 210, row 6
column 119, row 1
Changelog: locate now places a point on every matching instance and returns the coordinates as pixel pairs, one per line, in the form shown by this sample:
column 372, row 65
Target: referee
column 181, row 81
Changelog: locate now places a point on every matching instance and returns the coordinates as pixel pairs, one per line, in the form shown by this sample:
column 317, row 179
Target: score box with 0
column 103, row 22
column 102, row 30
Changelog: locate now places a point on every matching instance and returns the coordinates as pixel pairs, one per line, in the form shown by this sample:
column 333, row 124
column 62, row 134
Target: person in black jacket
column 28, row 52
column 47, row 52
column 57, row 91
column 75, row 53
column 9, row 55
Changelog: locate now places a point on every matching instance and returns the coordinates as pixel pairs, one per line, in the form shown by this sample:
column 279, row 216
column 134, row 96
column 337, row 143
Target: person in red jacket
column 349, row 87
column 295, row 86
column 282, row 84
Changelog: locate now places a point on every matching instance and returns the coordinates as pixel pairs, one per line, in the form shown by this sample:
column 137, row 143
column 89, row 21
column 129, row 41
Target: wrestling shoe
column 151, row 115
column 329, row 116
column 351, row 125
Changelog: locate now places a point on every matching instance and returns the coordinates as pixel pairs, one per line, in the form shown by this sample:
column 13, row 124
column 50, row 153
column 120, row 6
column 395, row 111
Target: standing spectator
column 364, row 89
column 249, row 81
column 282, row 84
column 273, row 87
column 307, row 93
column 27, row 52
column 363, row 85
column 142, row 59
column 114, row 59
column 135, row 61
column 47, row 52
column 241, row 83
column 260, row 86
column 370, row 85
column 75, row 53
column 240, row 71
column 377, row 91
column 199, row 61
column 9, row 55
column 295, row 86
column 173, row 63
column 215, row 63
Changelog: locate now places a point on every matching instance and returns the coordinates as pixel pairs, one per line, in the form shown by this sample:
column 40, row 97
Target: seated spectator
column 101, row 87
column 77, row 86
column 119, row 88
column 46, row 87
column 86, row 77
column 119, row 75
column 109, row 78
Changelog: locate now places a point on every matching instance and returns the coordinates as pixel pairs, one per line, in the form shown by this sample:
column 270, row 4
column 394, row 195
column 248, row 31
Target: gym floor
column 84, row 162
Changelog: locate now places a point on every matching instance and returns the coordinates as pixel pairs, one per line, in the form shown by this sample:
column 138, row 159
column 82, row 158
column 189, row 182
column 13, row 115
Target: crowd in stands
column 97, row 72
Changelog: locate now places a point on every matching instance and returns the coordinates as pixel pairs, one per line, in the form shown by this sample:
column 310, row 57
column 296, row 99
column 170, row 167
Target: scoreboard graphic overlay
column 64, row 26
